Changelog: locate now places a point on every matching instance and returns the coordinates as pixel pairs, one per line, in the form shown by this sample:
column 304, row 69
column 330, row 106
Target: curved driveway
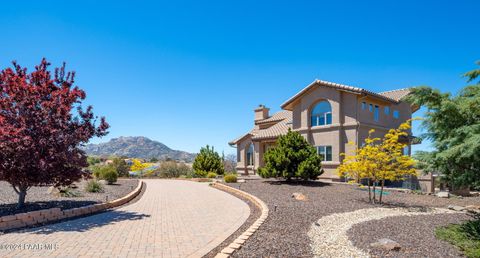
column 173, row 218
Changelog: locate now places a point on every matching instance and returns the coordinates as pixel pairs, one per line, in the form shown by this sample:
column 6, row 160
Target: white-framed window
column 387, row 110
column 364, row 105
column 396, row 114
column 376, row 113
column 325, row 151
column 250, row 153
column 321, row 114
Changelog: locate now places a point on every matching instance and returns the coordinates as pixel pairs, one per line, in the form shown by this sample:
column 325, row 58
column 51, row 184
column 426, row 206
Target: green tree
column 453, row 126
column 208, row 160
column 92, row 160
column 121, row 166
column 292, row 157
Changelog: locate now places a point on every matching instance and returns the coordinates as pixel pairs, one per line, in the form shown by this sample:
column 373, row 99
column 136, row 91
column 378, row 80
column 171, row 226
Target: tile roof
column 279, row 116
column 396, row 94
column 339, row 86
column 283, row 121
column 274, row 131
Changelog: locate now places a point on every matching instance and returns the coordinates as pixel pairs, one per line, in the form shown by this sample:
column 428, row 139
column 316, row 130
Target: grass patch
column 465, row 236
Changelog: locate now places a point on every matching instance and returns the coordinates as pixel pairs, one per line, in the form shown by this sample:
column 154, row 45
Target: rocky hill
column 137, row 147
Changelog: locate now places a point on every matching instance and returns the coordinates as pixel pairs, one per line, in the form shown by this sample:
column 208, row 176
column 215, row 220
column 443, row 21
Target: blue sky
column 189, row 73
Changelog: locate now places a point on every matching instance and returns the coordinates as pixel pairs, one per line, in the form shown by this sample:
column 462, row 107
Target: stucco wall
column 350, row 123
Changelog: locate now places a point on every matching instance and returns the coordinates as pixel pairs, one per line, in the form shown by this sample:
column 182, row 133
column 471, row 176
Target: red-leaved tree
column 42, row 127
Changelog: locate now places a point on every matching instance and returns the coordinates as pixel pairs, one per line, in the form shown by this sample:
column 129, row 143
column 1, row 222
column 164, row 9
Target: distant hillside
column 137, row 147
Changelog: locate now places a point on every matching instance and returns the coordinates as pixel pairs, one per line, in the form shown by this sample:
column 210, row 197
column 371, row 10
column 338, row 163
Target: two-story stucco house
column 329, row 115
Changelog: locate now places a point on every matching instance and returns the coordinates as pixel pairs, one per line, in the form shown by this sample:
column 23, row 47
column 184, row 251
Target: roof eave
column 354, row 90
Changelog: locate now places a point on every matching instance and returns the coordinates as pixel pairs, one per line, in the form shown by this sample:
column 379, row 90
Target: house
column 329, row 115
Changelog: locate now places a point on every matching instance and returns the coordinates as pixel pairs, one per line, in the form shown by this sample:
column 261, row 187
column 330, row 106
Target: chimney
column 261, row 112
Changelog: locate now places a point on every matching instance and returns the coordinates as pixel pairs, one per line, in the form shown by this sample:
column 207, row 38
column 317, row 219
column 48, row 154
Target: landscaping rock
column 474, row 208
column 299, row 196
column 53, row 190
column 456, row 207
column 443, row 194
column 241, row 181
column 386, row 244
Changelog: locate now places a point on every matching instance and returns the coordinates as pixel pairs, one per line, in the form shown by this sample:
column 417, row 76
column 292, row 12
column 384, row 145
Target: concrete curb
column 39, row 217
column 240, row 240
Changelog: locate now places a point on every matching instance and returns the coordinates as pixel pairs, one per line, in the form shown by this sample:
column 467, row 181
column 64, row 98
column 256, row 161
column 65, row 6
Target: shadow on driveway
column 86, row 223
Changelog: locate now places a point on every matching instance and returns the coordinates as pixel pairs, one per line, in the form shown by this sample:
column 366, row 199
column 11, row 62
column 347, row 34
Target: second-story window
column 387, row 110
column 376, row 113
column 396, row 114
column 321, row 114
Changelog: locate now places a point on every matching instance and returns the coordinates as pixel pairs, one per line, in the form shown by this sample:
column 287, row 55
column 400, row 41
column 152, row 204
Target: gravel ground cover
column 414, row 234
column 284, row 234
column 38, row 197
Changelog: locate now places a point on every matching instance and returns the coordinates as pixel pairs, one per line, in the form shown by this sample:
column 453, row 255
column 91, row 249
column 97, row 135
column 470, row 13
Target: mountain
column 137, row 147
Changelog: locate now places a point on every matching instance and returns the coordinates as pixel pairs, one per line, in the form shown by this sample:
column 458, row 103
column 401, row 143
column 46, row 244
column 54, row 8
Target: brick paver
column 172, row 219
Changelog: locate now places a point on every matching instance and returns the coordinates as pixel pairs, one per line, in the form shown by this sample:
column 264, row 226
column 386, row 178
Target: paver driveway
column 173, row 218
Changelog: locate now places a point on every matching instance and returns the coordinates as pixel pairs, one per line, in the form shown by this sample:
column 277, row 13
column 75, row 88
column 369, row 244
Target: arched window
column 321, row 114
column 250, row 153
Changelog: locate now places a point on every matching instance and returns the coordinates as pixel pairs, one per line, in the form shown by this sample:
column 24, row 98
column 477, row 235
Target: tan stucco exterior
column 350, row 122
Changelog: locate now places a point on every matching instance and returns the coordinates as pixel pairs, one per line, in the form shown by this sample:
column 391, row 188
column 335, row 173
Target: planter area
column 292, row 216
column 40, row 216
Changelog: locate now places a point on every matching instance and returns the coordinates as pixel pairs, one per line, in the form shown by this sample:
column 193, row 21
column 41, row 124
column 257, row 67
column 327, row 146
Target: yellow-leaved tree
column 138, row 165
column 379, row 159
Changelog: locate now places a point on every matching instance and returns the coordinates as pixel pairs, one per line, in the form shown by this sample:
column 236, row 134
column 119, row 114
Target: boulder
column 443, row 194
column 456, row 207
column 386, row 244
column 299, row 196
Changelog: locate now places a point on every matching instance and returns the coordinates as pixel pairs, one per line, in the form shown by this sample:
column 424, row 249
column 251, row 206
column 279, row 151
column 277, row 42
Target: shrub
column 96, row 171
column 200, row 173
column 230, row 178
column 69, row 192
column 121, row 167
column 292, row 157
column 208, row 160
column 109, row 174
column 211, row 175
column 93, row 186
column 465, row 236
column 172, row 169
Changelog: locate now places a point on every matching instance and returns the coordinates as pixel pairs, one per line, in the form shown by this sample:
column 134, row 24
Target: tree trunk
column 369, row 191
column 381, row 191
column 22, row 193
column 374, row 194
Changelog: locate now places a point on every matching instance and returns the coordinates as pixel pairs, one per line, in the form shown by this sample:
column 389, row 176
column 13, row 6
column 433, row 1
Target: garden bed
column 38, row 197
column 284, row 233
column 416, row 235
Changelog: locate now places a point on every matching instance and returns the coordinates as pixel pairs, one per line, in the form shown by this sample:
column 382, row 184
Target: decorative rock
column 386, row 244
column 443, row 194
column 53, row 190
column 456, row 207
column 241, row 181
column 299, row 196
column 475, row 208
